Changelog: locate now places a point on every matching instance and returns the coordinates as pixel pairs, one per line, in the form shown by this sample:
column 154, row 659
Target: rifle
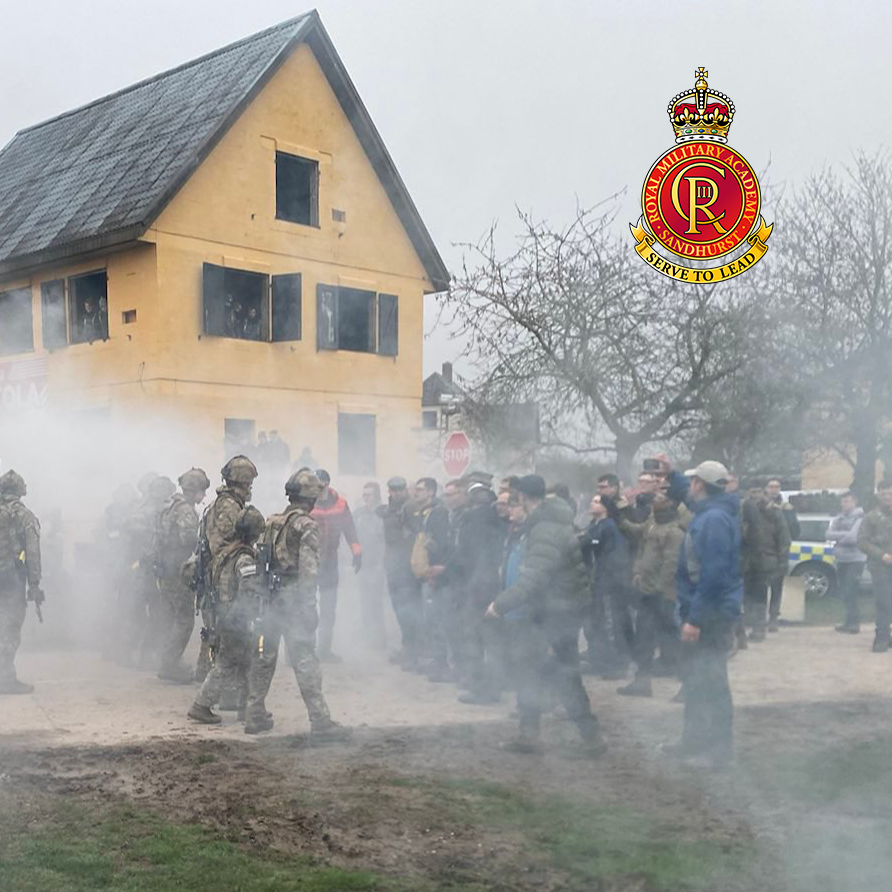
column 205, row 596
column 268, row 583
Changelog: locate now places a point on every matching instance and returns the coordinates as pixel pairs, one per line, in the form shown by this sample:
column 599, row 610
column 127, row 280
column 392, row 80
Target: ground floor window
column 238, row 436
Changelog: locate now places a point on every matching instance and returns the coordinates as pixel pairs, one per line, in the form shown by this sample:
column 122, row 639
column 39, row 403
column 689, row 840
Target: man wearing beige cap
column 710, row 593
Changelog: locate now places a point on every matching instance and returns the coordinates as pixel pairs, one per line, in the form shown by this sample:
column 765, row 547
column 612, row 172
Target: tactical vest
column 276, row 535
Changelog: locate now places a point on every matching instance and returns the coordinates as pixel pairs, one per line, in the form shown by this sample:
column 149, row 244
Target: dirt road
column 387, row 800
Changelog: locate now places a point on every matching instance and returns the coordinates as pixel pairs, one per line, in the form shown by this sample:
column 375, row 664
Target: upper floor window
column 297, row 189
column 355, row 319
column 88, row 307
column 251, row 306
column 16, row 323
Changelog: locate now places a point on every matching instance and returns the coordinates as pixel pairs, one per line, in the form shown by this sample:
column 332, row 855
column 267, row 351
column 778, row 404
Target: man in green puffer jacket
column 543, row 612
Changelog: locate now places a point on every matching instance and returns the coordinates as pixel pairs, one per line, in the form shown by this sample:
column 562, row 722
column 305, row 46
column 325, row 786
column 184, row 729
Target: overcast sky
column 489, row 104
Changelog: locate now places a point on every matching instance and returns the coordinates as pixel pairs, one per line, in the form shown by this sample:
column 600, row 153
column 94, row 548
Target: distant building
column 227, row 244
column 504, row 438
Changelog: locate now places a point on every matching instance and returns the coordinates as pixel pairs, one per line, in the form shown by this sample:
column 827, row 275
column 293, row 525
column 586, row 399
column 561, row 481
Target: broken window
column 16, row 323
column 286, row 298
column 357, row 446
column 52, row 314
column 88, row 307
column 297, row 189
column 235, row 303
column 354, row 319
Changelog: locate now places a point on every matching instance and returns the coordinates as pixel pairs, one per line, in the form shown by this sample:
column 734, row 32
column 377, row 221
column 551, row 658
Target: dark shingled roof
column 99, row 175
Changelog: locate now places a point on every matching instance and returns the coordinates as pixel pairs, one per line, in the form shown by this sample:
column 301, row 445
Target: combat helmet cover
column 161, row 488
column 194, row 480
column 13, row 483
column 249, row 525
column 304, row 484
column 239, row 469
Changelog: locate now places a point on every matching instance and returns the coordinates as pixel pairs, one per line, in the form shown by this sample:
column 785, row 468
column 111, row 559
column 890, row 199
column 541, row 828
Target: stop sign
column 457, row 454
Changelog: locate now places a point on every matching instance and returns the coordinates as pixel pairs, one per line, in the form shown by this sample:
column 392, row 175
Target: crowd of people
column 493, row 586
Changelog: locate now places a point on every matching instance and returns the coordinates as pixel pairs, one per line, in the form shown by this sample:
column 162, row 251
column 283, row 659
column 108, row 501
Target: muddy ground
column 94, row 733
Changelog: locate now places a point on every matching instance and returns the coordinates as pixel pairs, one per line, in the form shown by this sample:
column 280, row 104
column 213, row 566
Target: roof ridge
column 155, row 77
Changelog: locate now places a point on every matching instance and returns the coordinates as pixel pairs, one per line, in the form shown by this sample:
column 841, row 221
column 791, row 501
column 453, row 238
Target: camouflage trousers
column 294, row 618
column 12, row 617
column 232, row 659
column 175, row 620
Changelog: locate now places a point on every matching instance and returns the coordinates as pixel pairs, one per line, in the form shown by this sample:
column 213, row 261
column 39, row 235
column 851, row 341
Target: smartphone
column 652, row 464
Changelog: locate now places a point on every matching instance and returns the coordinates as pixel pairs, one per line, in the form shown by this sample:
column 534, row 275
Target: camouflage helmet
column 13, row 483
column 249, row 525
column 304, row 484
column 161, row 489
column 239, row 469
column 194, row 480
column 146, row 481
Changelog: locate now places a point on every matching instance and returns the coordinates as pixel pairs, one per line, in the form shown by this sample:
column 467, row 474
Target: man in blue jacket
column 710, row 593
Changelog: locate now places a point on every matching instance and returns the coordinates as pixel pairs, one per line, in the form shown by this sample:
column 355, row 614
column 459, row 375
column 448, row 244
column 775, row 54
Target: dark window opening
column 235, row 303
column 16, row 322
column 353, row 319
column 238, row 436
column 53, row 321
column 429, row 420
column 297, row 189
column 286, row 313
column 88, row 307
column 128, row 317
column 357, row 446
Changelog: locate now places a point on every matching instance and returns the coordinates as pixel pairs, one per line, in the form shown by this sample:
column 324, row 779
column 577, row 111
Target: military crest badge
column 701, row 200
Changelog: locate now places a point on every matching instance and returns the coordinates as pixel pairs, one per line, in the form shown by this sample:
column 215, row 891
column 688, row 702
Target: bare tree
column 834, row 299
column 616, row 356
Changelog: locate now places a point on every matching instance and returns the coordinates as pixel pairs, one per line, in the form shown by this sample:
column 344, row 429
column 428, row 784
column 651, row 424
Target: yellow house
column 227, row 247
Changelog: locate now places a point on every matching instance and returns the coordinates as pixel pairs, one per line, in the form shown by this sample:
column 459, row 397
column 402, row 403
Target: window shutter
column 326, row 317
column 287, row 307
column 213, row 298
column 388, row 324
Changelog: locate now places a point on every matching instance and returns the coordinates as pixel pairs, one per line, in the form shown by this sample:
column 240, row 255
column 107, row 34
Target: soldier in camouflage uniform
column 232, row 571
column 176, row 540
column 238, row 474
column 141, row 596
column 293, row 537
column 19, row 565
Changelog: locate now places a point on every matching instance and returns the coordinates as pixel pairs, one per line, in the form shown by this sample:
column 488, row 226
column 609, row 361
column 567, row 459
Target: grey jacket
column 843, row 533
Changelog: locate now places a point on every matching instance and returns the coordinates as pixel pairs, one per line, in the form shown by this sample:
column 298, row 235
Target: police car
column 811, row 556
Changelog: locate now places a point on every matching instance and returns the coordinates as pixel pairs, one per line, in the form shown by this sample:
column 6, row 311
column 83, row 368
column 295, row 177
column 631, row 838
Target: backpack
column 10, row 541
column 275, row 536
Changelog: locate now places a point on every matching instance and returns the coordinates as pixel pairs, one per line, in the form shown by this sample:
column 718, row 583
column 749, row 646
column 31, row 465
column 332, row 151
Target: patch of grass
column 125, row 850
column 205, row 759
column 591, row 843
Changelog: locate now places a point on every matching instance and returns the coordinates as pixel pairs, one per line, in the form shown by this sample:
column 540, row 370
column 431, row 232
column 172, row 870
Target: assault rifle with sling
column 268, row 584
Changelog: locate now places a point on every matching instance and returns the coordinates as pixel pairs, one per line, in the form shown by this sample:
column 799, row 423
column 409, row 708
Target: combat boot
column 259, row 724
column 14, row 686
column 773, row 625
column 203, row 714
column 880, row 644
column 640, row 687
column 329, row 731
column 757, row 636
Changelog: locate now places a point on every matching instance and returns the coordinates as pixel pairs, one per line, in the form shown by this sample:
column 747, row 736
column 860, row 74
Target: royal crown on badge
column 701, row 113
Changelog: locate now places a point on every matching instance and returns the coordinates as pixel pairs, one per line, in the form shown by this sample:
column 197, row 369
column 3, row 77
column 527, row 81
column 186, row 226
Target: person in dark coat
column 550, row 595
column 403, row 587
column 609, row 629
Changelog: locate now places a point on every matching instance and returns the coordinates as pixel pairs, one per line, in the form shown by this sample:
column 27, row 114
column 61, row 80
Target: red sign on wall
column 457, row 454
